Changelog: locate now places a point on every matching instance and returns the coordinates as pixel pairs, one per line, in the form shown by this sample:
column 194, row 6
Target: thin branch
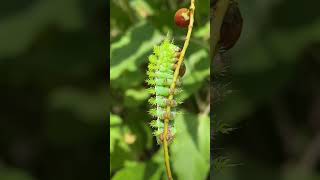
column 195, row 41
column 173, row 86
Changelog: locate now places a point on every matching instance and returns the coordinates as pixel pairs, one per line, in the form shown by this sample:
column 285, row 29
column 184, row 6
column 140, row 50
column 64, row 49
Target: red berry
column 182, row 18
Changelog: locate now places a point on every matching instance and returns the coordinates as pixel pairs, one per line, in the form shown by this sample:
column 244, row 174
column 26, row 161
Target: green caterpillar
column 162, row 64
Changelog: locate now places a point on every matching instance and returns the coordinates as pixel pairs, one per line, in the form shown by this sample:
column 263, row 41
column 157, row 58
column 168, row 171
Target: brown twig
column 173, row 86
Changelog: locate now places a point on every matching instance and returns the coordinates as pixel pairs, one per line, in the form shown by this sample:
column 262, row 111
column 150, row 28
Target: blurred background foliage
column 137, row 26
column 274, row 104
column 54, row 101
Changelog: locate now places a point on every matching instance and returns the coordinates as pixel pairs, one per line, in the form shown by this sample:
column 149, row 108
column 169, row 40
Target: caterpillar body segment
column 161, row 67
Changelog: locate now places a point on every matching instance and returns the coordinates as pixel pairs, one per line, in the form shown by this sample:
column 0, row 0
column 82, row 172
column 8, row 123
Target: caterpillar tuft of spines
column 161, row 67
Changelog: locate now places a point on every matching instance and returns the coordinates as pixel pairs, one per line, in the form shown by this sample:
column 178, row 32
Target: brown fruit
column 182, row 18
column 231, row 27
column 182, row 70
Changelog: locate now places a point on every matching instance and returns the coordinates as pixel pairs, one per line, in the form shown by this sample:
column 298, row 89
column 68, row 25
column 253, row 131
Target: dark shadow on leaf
column 119, row 156
column 192, row 127
column 151, row 169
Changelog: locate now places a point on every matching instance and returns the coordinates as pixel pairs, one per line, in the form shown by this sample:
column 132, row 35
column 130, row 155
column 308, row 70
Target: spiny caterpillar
column 162, row 64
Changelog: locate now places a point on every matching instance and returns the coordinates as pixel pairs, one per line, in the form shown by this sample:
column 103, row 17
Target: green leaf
column 128, row 138
column 115, row 132
column 197, row 71
column 134, row 97
column 137, row 171
column 203, row 32
column 129, row 80
column 119, row 19
column 115, row 120
column 132, row 49
column 119, row 150
column 142, row 8
column 190, row 151
column 204, row 135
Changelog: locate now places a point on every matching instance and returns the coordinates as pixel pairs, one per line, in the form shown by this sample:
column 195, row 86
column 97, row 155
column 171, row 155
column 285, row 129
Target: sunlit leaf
column 132, row 49
column 190, row 152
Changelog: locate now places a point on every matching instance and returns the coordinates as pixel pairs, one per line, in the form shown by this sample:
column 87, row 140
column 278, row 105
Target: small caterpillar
column 162, row 64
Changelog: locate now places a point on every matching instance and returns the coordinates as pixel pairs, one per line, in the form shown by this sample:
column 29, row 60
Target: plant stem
column 218, row 13
column 173, row 86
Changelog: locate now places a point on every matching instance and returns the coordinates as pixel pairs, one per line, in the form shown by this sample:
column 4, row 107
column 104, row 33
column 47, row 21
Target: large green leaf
column 197, row 65
column 150, row 170
column 134, row 97
column 190, row 152
column 115, row 133
column 119, row 150
column 128, row 138
column 132, row 49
